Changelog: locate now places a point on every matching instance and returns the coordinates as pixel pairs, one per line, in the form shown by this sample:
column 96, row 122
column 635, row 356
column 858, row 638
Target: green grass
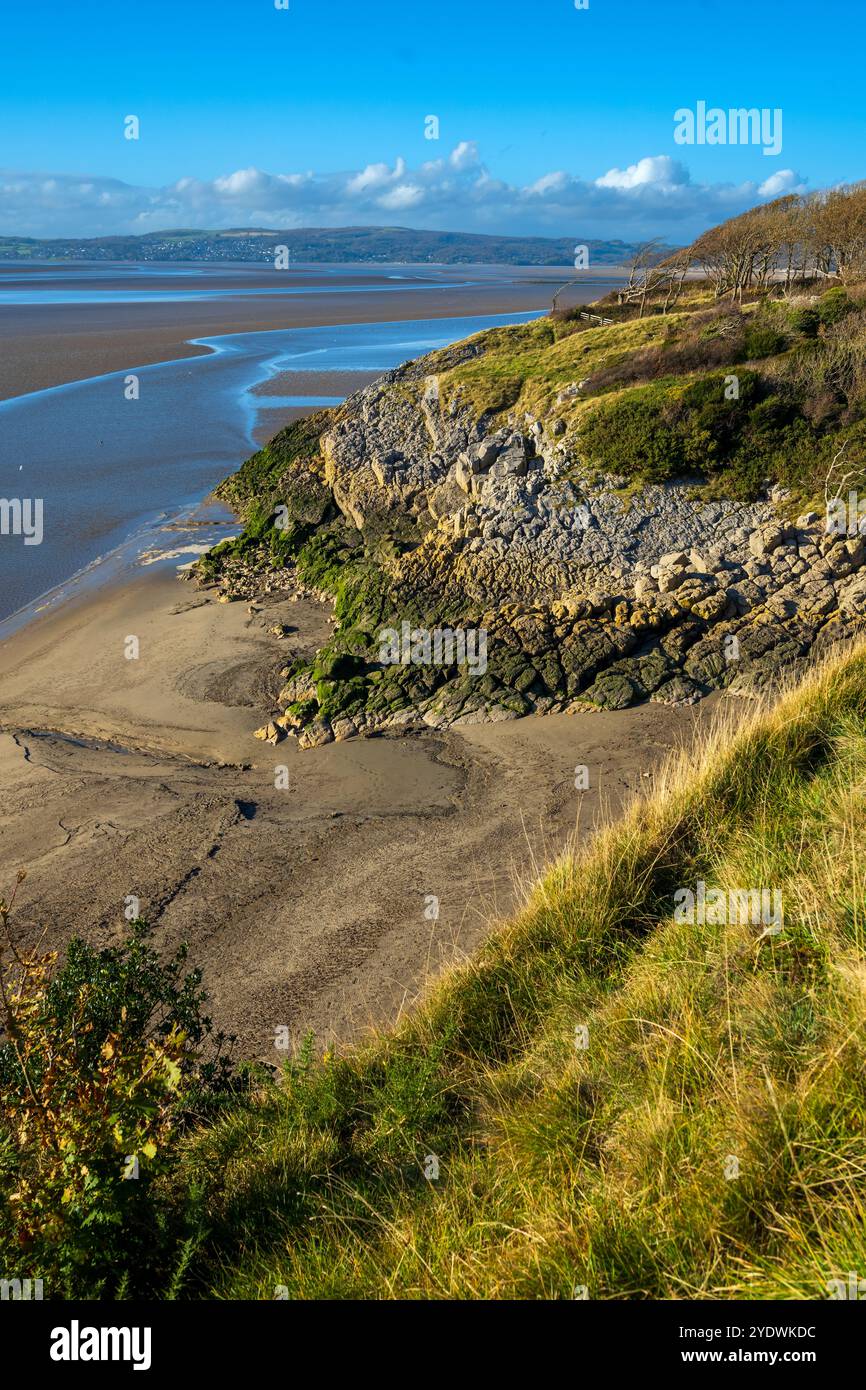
column 655, row 404
column 523, row 368
column 602, row 1167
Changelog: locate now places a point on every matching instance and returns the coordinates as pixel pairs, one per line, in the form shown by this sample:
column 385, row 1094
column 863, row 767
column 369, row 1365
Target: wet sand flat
column 304, row 905
column 43, row 345
column 109, row 467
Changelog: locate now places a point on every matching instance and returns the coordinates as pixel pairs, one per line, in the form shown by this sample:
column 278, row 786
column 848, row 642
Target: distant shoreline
column 359, row 245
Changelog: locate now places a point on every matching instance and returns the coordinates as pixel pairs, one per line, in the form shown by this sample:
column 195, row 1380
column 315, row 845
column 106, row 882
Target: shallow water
column 119, row 283
column 60, row 295
column 111, row 471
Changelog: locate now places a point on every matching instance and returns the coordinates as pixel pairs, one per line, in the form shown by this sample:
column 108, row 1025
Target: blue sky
column 251, row 114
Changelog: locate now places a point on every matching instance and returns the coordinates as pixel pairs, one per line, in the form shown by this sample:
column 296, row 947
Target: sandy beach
column 304, row 906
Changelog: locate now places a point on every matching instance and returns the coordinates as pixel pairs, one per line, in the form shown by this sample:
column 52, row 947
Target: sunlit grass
column 712, row 1049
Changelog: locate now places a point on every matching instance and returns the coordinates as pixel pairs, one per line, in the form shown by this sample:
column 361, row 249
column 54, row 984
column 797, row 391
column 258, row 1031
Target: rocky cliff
column 420, row 508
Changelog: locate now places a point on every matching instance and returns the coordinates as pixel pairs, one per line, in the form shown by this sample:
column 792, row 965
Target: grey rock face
column 586, row 597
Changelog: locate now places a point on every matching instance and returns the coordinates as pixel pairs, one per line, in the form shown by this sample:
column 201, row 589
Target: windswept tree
column 744, row 252
column 790, row 241
column 652, row 275
column 840, row 225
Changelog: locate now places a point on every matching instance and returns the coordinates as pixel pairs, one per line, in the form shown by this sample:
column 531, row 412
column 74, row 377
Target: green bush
column 654, row 433
column 733, row 442
column 834, row 305
column 763, row 340
column 102, row 1061
column 632, row 435
column 806, row 322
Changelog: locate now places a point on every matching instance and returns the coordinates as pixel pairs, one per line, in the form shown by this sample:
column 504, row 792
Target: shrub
column 100, row 1063
column 834, row 305
column 806, row 322
column 655, row 432
column 763, row 340
column 631, row 435
column 663, row 431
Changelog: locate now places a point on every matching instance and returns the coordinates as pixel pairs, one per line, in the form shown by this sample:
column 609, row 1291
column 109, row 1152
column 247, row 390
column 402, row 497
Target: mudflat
column 45, row 344
column 301, row 880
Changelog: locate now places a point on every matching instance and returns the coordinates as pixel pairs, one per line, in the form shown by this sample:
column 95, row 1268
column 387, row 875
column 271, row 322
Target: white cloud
column 464, row 155
column 550, row 183
column 785, row 181
column 244, row 183
column 375, row 176
column 652, row 197
column 405, row 195
column 658, row 171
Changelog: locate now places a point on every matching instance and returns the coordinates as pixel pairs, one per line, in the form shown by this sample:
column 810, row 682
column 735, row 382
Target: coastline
column 141, row 778
column 191, row 428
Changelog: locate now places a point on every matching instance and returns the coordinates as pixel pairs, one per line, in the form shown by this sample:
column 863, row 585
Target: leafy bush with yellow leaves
column 101, row 1061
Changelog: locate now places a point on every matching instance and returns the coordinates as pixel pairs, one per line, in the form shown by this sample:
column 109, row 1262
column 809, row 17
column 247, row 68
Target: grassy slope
column 524, row 367
column 655, row 406
column 602, row 1167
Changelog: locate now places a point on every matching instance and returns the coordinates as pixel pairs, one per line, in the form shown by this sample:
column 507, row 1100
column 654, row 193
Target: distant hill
column 324, row 244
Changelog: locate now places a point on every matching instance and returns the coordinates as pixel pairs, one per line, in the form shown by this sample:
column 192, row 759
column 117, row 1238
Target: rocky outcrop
column 587, row 596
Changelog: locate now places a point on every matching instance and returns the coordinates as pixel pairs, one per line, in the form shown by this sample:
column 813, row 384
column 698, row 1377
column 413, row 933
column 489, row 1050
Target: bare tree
column 651, row 274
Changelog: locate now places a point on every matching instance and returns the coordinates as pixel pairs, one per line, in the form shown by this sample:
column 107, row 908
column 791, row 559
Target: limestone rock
column 611, row 691
column 315, row 734
column 768, row 538
column 584, row 597
column 269, row 733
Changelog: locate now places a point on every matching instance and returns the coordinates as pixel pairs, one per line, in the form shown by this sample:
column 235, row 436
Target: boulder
column 852, row 598
column 712, row 607
column 485, row 453
column 817, row 599
column 768, row 538
column 510, row 464
column 463, row 475
column 645, row 585
column 269, row 733
column 674, row 559
column 669, row 579
column 611, row 691
column 679, row 690
column 315, row 734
